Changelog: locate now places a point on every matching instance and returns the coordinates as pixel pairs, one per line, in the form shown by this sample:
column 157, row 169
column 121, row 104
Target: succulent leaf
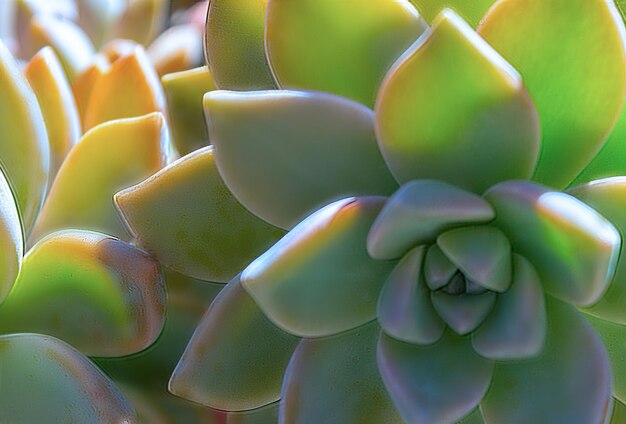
column 453, row 109
column 463, row 312
column 565, row 73
column 619, row 412
column 83, row 84
column 177, row 49
column 98, row 293
column 307, row 148
column 405, row 311
column 516, row 329
column 47, row 79
column 418, row 212
column 438, row 270
column 318, row 280
column 440, row 383
column 234, row 45
column 335, row 380
column 129, row 88
column 96, row 17
column 472, row 11
column 482, row 254
column 61, row 384
column 185, row 216
column 573, row 248
column 24, row 149
column 11, row 239
column 109, row 157
column 236, row 358
column 569, row 382
column 336, row 46
column 141, row 21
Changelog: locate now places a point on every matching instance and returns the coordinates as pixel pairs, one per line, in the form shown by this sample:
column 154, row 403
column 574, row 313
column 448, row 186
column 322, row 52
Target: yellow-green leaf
column 11, row 239
column 177, row 49
column 470, row 10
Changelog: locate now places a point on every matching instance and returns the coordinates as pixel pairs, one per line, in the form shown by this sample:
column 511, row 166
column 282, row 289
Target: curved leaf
column 470, row 10
column 176, row 49
column 48, row 81
column 129, row 88
column 569, row 382
column 96, row 17
column 418, row 212
column 438, row 270
column 110, row 157
column 24, row 149
column 565, row 73
column 98, row 293
column 234, row 45
column 572, row 247
column 184, row 92
column 62, row 385
column 463, row 312
column 173, row 215
column 83, row 84
column 335, row 47
column 452, row 72
column 318, row 280
column 11, row 239
column 141, row 21
column 305, row 149
column 236, row 358
column 433, row 384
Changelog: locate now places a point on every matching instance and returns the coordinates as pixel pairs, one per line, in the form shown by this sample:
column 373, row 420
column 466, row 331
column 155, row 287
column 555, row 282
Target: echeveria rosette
column 453, row 113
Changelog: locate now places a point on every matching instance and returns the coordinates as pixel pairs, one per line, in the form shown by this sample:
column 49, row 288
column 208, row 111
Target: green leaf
column 516, row 328
column 608, row 197
column 572, row 247
column 108, row 158
column 102, row 295
column 470, row 10
column 11, row 239
column 482, row 254
column 438, row 270
column 24, row 149
column 304, row 149
column 319, row 280
column 463, row 312
column 335, row 47
column 173, row 215
column 453, row 109
column 619, row 412
column 405, row 311
column 234, row 45
column 433, row 384
column 335, row 380
column 569, row 382
column 418, row 212
column 578, row 82
column 236, row 358
column 184, row 91
column 59, row 384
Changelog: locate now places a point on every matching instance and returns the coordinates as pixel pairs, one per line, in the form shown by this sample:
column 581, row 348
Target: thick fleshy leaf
column 608, row 197
column 83, row 84
column 438, row 270
column 474, row 418
column 69, row 42
column 404, row 308
column 48, row 81
column 569, row 382
column 434, row 384
column 96, row 17
column 141, row 21
column 310, row 148
column 118, row 48
column 319, row 280
column 11, row 238
column 463, row 312
column 102, row 295
column 173, row 215
column 129, row 88
column 418, row 212
column 60, row 384
column 184, row 92
column 335, row 47
column 470, row 10
column 483, row 254
column 236, row 358
column 614, row 338
column 177, row 49
column 619, row 412
column 24, row 149
column 572, row 247
column 494, row 135
column 516, row 328
column 110, row 157
column 234, row 45
column 335, row 380
column 564, row 73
